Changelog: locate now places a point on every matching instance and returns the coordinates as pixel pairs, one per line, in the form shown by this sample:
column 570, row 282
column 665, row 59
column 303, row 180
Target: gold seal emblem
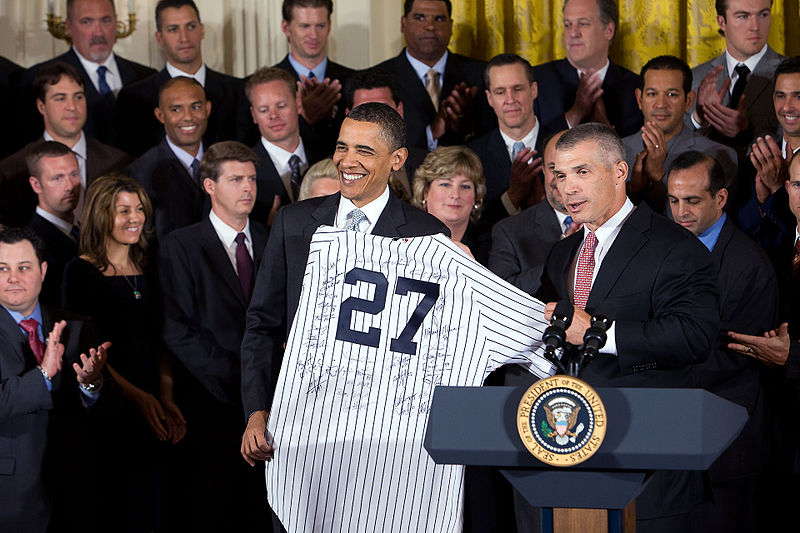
column 561, row 420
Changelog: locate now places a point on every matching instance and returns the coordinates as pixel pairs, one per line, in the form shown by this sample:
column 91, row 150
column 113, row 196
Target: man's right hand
column 53, row 354
column 255, row 445
column 771, row 168
column 707, row 93
column 590, row 88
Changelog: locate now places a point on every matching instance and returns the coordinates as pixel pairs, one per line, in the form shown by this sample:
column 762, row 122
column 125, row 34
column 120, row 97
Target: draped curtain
column 647, row 28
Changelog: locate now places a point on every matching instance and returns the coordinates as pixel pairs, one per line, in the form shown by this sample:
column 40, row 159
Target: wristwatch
column 94, row 386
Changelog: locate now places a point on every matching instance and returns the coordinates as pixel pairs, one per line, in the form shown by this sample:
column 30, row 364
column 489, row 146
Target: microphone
column 555, row 335
column 593, row 339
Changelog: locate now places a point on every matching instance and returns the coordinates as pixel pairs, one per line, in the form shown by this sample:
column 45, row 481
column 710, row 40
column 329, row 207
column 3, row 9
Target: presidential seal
column 561, row 420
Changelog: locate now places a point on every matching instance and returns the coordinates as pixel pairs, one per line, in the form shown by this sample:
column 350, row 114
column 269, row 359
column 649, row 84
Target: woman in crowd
column 108, row 283
column 321, row 179
column 450, row 185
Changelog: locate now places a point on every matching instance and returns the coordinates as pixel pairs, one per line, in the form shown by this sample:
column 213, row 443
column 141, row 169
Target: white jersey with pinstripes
column 381, row 322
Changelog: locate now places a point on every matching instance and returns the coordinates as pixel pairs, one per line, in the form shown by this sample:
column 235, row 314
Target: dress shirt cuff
column 511, row 209
column 48, row 384
column 88, row 399
column 432, row 143
column 696, row 124
column 611, row 340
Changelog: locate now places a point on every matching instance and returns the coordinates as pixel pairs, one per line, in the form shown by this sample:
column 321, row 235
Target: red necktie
column 583, row 281
column 31, row 326
column 796, row 259
column 244, row 266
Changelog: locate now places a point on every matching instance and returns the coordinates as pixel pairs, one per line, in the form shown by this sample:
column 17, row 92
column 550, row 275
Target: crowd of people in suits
column 169, row 214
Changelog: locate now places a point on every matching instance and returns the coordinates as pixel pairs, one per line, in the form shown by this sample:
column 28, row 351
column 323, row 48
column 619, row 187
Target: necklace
column 135, row 286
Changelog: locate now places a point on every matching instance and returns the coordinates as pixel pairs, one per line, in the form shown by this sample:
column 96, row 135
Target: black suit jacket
column 324, row 134
column 17, row 199
column 205, row 307
column 138, row 129
column 58, row 251
column 10, row 139
column 657, row 283
column 418, row 109
column 100, row 109
column 558, row 83
column 40, row 431
column 178, row 200
column 277, row 291
column 492, row 152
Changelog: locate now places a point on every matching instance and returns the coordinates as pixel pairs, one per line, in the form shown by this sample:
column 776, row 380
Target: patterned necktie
column 432, row 87
column 356, row 216
column 516, row 148
column 583, row 281
column 75, row 233
column 296, row 178
column 31, row 327
column 196, row 171
column 796, row 259
column 567, row 223
column 738, row 87
column 244, row 266
column 102, row 84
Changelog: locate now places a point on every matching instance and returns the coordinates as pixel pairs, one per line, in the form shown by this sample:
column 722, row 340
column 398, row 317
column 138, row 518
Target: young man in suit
column 207, row 272
column 179, row 33
column 370, row 146
column 510, row 153
column 61, row 101
column 306, row 25
column 440, row 90
column 40, row 453
column 653, row 280
column 586, row 86
column 92, row 26
column 734, row 89
column 748, row 303
column 56, row 180
column 170, row 171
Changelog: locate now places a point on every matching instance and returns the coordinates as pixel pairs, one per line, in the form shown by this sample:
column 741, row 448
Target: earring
column 424, row 202
column 476, row 206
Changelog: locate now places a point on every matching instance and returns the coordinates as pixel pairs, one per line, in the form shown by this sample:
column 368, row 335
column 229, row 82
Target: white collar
column 79, row 148
column 183, row 156
column 60, row 223
column 612, row 225
column 199, row 76
column 372, row 210
column 602, row 72
column 529, row 140
column 422, row 69
column 280, row 157
column 751, row 62
column 783, row 148
column 91, row 68
column 226, row 233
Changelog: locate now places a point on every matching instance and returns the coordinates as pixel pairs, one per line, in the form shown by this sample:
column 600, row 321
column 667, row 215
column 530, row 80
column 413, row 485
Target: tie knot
column 432, row 75
column 101, row 70
column 240, row 238
column 742, row 70
column 568, row 221
column 356, row 216
column 311, row 75
column 591, row 242
column 516, row 148
column 30, row 325
column 294, row 162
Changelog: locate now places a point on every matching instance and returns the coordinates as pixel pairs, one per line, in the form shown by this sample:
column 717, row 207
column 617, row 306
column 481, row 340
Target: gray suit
column 757, row 92
column 684, row 141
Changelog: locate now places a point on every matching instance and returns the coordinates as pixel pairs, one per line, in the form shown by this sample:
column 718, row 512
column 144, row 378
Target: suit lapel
column 546, row 222
column 412, row 87
column 761, row 79
column 324, row 214
column 11, row 336
column 218, row 259
column 391, row 219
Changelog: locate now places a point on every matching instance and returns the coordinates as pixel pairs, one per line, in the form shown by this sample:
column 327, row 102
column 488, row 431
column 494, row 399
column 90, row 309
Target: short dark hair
column 70, row 3
column 608, row 11
column 604, row 135
column 175, row 81
column 409, row 5
column 693, row 158
column 393, row 127
column 371, row 78
column 501, row 60
column 174, row 4
column 221, row 152
column 51, row 74
column 790, row 65
column 42, row 150
column 288, row 7
column 668, row 63
column 15, row 235
column 266, row 75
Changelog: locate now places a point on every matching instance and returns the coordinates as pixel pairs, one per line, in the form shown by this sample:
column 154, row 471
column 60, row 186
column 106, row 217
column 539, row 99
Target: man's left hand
column 580, row 323
column 525, row 170
column 729, row 122
column 772, row 348
column 459, row 107
column 90, row 368
column 656, row 146
column 318, row 98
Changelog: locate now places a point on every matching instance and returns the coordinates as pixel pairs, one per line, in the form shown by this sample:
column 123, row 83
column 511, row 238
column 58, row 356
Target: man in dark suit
column 283, row 154
column 92, row 26
column 654, row 281
column 170, row 171
column 180, row 33
column 748, row 303
column 56, row 180
column 10, row 72
column 586, row 86
column 509, row 152
column 207, row 277
column 718, row 82
column 664, row 96
column 440, row 90
column 307, row 24
column 38, row 456
column 61, row 101
column 370, row 146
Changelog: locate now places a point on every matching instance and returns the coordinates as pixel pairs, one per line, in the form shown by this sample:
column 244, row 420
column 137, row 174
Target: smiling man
column 664, row 96
column 170, row 171
column 370, row 146
column 655, row 281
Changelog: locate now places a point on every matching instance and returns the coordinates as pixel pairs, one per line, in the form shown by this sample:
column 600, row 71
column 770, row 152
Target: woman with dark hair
column 108, row 283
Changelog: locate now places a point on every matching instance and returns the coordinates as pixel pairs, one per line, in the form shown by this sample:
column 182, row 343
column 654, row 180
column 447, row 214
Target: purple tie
column 31, row 327
column 244, row 266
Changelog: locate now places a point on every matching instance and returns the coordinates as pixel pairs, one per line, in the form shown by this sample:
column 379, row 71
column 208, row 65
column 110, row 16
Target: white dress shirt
column 227, row 235
column 113, row 77
column 372, row 211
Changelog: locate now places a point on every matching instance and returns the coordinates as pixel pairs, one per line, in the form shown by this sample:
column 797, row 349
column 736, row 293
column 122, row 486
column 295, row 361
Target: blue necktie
column 196, row 171
column 567, row 223
column 311, row 75
column 516, row 149
column 102, row 84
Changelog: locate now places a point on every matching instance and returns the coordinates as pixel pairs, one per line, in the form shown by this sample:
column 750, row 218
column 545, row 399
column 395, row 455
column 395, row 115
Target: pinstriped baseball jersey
column 380, row 323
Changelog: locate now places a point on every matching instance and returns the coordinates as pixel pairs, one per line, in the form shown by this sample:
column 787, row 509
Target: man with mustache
column 170, row 171
column 92, row 26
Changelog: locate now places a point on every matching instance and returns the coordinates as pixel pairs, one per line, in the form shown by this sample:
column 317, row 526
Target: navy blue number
column 404, row 343
column 372, row 307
